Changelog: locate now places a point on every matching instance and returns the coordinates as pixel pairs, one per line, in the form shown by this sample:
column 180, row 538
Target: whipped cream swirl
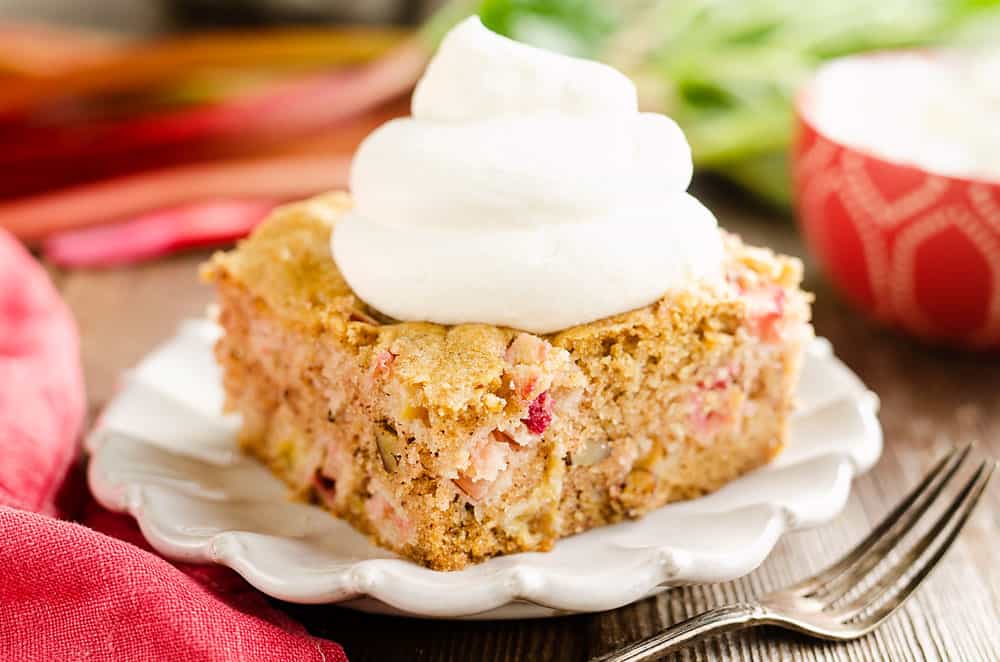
column 526, row 190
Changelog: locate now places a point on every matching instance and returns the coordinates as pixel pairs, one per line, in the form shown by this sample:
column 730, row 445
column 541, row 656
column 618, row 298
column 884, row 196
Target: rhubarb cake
column 517, row 326
column 452, row 444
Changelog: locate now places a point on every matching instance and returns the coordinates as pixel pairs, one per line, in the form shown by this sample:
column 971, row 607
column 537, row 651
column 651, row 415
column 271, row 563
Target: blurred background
column 157, row 16
column 130, row 129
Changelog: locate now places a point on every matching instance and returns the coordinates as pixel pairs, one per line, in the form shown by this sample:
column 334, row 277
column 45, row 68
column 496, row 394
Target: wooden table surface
column 930, row 400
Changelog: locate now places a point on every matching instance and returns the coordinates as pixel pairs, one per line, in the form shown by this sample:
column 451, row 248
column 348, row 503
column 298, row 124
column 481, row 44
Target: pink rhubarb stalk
column 158, row 233
column 36, row 217
column 283, row 109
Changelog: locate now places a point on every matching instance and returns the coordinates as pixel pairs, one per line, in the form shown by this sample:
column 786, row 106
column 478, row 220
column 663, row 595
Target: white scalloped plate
column 163, row 453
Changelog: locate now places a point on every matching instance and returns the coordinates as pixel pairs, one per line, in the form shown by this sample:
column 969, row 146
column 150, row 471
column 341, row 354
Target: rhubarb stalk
column 159, row 233
column 142, row 66
column 33, row 218
column 284, row 109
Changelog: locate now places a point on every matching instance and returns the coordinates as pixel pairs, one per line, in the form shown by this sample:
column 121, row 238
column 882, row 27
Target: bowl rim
column 802, row 101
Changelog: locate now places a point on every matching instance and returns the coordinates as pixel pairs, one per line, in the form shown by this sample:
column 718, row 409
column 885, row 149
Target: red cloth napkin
column 94, row 590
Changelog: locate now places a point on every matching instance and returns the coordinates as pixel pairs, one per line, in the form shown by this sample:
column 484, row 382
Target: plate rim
column 515, row 590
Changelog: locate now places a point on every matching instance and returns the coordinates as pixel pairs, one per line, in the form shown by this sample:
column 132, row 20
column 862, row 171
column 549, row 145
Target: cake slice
column 452, row 444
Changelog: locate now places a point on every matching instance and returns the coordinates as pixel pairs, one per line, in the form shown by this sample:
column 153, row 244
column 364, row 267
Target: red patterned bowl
column 916, row 250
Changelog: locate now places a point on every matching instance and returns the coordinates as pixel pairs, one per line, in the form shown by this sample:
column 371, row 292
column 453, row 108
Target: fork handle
column 705, row 624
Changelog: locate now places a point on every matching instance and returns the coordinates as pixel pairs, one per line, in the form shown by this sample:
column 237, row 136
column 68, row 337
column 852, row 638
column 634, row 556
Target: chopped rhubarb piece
column 475, row 489
column 382, row 512
column 383, row 363
column 767, row 308
column 767, row 323
column 527, row 348
column 539, row 414
column 526, row 383
column 723, row 379
column 717, row 385
column 526, row 354
column 706, row 421
column 487, row 458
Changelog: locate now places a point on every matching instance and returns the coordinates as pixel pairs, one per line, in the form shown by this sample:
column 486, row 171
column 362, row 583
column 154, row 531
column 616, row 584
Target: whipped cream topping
column 526, row 190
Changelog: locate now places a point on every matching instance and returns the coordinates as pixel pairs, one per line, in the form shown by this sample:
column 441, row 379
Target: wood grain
column 931, row 399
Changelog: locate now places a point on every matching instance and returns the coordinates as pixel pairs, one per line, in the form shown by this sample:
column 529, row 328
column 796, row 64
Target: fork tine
column 957, row 514
column 889, row 531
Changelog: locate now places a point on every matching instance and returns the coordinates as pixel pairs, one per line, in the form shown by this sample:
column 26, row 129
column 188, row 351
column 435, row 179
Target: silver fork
column 821, row 605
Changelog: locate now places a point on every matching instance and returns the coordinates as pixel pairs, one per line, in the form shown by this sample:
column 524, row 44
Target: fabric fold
column 92, row 588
